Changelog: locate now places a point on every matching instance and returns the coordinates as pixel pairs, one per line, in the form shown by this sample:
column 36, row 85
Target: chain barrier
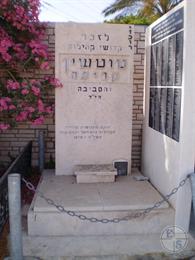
column 133, row 215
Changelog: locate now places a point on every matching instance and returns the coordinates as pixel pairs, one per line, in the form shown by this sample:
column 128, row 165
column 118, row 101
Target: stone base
column 55, row 235
column 98, row 200
column 95, row 173
column 99, row 247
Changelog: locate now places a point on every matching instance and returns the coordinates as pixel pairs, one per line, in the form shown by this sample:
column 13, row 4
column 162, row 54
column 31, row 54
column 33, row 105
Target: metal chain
column 133, row 215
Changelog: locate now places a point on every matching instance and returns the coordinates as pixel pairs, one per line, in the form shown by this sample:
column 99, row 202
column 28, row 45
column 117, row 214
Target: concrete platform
column 100, row 200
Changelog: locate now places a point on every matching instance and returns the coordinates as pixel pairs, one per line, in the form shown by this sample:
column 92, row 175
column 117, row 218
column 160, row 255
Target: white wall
column 164, row 160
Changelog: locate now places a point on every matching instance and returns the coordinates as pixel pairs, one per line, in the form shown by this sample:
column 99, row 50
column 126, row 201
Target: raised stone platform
column 95, row 173
column 101, row 247
column 100, row 200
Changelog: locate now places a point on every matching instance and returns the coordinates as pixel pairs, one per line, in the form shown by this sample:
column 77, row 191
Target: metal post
column 41, row 151
column 192, row 178
column 14, row 194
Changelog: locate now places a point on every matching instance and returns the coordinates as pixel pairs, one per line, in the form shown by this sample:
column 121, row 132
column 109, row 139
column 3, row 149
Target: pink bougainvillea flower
column 12, row 107
column 24, row 84
column 23, row 52
column 7, row 99
column 35, row 90
column 38, row 121
column 49, row 109
column 55, row 82
column 41, row 106
column 38, row 48
column 22, row 116
column 45, row 66
column 24, row 92
column 29, row 109
column 4, row 126
column 6, row 57
column 12, row 85
column 3, row 104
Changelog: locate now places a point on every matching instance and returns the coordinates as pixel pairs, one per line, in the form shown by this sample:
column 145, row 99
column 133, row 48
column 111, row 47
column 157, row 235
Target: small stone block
column 95, row 173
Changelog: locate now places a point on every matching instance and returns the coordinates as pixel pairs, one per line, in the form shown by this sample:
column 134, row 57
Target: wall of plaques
column 166, row 75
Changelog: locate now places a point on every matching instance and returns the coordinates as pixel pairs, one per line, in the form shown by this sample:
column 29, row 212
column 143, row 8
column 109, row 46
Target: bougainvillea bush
column 22, row 97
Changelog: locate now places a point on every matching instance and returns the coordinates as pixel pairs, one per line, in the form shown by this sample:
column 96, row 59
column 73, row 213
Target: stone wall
column 12, row 141
column 138, row 95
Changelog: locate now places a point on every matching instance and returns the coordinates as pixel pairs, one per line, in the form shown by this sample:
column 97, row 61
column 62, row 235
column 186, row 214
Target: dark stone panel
column 157, row 109
column 176, row 114
column 153, row 67
column 169, row 112
column 171, row 61
column 163, row 101
column 179, row 59
column 152, row 107
column 164, row 62
column 158, row 63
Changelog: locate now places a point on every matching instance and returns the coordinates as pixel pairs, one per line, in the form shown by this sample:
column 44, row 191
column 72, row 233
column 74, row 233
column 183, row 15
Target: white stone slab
column 94, row 108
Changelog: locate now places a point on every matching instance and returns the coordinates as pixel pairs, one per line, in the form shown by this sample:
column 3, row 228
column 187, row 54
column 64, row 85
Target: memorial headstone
column 169, row 127
column 94, row 108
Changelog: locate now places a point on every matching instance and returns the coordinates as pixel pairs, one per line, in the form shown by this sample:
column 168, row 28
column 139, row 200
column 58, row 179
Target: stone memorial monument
column 169, row 135
column 94, row 108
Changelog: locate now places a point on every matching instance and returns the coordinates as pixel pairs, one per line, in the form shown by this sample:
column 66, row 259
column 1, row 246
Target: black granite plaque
column 158, row 63
column 153, row 74
column 152, row 107
column 179, row 59
column 169, row 112
column 172, row 24
column 157, row 109
column 164, row 62
column 163, row 101
column 171, row 61
column 176, row 114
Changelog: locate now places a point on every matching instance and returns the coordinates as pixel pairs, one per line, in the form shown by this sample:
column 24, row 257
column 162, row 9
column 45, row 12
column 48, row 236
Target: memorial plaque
column 168, row 26
column 176, row 114
column 163, row 101
column 93, row 109
column 152, row 107
column 166, row 70
column 171, row 61
column 164, row 62
column 169, row 112
column 179, row 59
